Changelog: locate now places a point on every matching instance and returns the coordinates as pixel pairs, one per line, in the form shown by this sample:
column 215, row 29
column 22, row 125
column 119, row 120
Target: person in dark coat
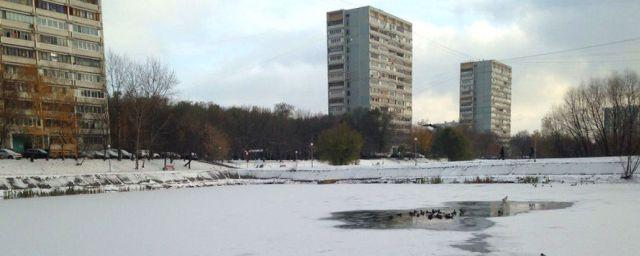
column 502, row 153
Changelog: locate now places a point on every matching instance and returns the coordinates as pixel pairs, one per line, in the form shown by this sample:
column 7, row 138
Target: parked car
column 98, row 154
column 93, row 154
column 6, row 153
column 113, row 153
column 35, row 153
column 170, row 155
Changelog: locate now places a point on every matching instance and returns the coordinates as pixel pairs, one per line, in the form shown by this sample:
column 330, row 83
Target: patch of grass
column 436, row 180
column 529, row 179
column 478, row 180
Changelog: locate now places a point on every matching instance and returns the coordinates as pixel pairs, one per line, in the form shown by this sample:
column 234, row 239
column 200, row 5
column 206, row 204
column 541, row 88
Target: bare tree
column 120, row 75
column 10, row 108
column 630, row 165
column 153, row 82
column 602, row 117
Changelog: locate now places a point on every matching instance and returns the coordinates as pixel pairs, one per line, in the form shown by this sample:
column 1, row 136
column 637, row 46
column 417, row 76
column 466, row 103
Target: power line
column 450, row 50
column 573, row 49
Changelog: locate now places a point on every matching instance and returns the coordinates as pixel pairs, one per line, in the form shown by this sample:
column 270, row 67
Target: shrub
column 339, row 145
column 453, row 144
column 528, row 179
column 435, row 180
column 478, row 180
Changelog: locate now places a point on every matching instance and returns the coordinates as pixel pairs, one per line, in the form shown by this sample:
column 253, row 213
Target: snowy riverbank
column 601, row 169
column 57, row 177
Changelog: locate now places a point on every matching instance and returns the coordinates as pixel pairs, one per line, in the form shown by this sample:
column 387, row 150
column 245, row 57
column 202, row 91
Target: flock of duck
column 432, row 214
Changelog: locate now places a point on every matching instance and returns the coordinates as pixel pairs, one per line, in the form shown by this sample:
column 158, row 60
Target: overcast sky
column 236, row 52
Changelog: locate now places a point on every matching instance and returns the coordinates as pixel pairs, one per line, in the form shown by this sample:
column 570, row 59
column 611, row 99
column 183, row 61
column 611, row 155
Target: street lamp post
column 535, row 150
column 246, row 154
column 106, row 155
column 311, row 146
column 415, row 150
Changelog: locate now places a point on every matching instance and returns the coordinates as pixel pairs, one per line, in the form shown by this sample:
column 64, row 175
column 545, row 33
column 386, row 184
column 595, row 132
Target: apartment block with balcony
column 63, row 41
column 369, row 54
column 485, row 97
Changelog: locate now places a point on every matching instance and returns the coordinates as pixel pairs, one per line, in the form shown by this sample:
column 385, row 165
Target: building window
column 85, row 14
column 52, row 23
column 92, row 94
column 85, row 30
column 51, row 7
column 55, row 57
column 90, row 1
column 86, row 45
column 54, row 40
column 19, row 17
column 333, row 23
column 17, row 34
column 86, row 62
column 58, row 74
column 23, row 2
column 89, row 109
column 86, row 77
column 18, row 52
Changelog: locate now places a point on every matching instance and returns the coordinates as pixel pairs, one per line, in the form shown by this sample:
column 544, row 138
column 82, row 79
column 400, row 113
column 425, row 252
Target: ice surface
column 288, row 220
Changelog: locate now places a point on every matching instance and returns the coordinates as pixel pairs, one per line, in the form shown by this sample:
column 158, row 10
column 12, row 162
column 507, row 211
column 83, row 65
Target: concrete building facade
column 485, row 97
column 370, row 65
column 63, row 41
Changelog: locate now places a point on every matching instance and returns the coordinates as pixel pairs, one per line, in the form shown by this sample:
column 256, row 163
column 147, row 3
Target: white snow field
column 288, row 220
column 69, row 167
column 597, row 169
column 45, row 176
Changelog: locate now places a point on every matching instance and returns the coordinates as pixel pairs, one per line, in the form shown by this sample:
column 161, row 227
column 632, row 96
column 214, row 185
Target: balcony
column 18, row 60
column 87, row 53
column 89, row 85
column 83, row 21
column 56, row 65
column 92, row 38
column 16, row 24
column 88, row 69
column 51, row 14
column 53, row 48
column 83, row 5
column 17, row 7
column 53, row 31
column 17, row 42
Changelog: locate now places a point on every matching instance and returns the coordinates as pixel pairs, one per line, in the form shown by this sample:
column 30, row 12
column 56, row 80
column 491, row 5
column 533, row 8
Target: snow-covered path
column 287, row 220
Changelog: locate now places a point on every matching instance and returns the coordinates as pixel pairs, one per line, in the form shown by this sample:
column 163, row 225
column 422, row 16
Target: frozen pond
column 458, row 216
column 293, row 220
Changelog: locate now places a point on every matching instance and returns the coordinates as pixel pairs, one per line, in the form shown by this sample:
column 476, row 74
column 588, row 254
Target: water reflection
column 469, row 215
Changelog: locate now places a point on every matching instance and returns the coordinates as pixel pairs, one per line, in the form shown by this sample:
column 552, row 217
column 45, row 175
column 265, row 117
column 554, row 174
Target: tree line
column 144, row 116
column 597, row 118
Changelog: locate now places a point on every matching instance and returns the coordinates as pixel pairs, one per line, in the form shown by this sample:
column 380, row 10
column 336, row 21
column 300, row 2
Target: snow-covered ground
column 18, row 175
column 69, row 167
column 288, row 220
column 605, row 169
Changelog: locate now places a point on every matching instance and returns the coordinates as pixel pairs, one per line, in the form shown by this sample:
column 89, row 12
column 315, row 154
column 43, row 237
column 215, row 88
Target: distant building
column 62, row 41
column 485, row 97
column 446, row 124
column 370, row 65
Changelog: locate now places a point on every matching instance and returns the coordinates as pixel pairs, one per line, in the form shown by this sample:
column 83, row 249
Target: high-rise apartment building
column 62, row 102
column 485, row 97
column 370, row 65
